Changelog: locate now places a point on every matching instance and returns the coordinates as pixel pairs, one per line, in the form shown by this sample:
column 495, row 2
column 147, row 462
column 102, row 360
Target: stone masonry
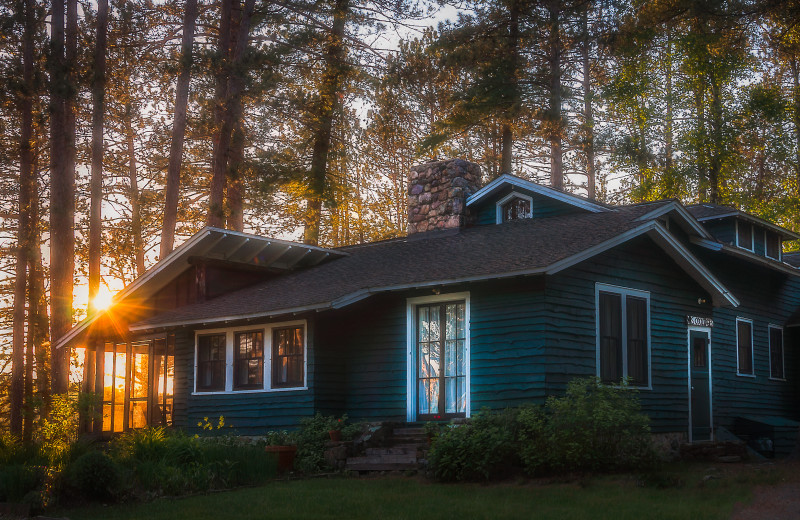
column 437, row 194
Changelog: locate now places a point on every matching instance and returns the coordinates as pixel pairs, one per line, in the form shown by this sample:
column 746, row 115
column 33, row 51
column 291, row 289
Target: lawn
column 680, row 492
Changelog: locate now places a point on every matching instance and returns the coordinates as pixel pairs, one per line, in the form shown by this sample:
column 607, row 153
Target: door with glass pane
column 700, row 384
column 441, row 361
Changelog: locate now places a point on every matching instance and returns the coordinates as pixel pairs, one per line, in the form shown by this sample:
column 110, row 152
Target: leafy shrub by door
column 593, row 427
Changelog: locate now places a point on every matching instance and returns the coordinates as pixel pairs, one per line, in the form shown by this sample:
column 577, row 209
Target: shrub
column 94, row 475
column 592, row 427
column 19, row 480
column 598, row 427
column 481, row 448
column 311, row 439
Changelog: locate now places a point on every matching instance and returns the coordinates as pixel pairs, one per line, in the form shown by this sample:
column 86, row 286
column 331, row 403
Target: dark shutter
column 610, row 337
column 636, row 309
column 776, row 353
column 745, row 347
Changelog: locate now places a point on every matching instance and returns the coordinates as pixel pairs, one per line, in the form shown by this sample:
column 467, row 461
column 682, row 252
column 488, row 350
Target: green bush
column 593, row 427
column 18, row 480
column 94, row 475
column 482, row 448
column 598, row 427
column 311, row 439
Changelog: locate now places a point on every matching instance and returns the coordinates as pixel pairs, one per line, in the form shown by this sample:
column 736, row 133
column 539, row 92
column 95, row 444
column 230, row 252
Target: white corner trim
column 266, row 330
column 411, row 349
column 513, row 195
column 511, row 180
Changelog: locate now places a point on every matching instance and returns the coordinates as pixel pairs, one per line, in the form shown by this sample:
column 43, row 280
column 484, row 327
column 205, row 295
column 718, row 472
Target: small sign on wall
column 699, row 321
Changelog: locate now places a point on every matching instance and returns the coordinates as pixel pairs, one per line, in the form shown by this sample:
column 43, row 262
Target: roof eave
column 511, row 180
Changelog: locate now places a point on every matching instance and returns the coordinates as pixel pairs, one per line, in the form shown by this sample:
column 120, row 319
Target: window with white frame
column 744, row 235
column 623, row 335
column 772, row 245
column 744, row 347
column 776, row 370
column 514, row 206
column 247, row 359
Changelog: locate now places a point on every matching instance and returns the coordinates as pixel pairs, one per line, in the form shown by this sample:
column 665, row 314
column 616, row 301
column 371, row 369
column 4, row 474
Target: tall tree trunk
column 98, row 115
column 507, row 134
column 27, row 192
column 588, row 109
column 672, row 188
column 555, row 123
column 700, row 141
column 235, row 196
column 715, row 160
column 62, row 185
column 133, row 196
column 178, row 132
column 230, row 111
column 796, row 120
column 332, row 84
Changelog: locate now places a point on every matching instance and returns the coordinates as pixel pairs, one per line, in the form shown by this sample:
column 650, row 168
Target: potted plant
column 335, row 426
column 283, row 444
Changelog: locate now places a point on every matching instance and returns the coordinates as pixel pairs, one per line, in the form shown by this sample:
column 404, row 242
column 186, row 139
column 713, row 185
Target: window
column 287, row 357
column 248, row 364
column 514, row 206
column 776, row 352
column 265, row 359
column 744, row 235
column 623, row 335
column 211, row 362
column 744, row 347
column 773, row 245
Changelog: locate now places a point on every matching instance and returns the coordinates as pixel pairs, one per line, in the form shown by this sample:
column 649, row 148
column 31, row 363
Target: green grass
column 678, row 492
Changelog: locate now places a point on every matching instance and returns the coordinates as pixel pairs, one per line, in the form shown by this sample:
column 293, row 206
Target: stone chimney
column 437, row 194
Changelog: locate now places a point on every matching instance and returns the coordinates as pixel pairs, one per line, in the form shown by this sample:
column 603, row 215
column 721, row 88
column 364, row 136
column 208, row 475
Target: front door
column 441, row 360
column 700, row 384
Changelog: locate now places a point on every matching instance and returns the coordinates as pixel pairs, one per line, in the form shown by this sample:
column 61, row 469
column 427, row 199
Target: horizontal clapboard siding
column 486, row 212
column 766, row 297
column 571, row 324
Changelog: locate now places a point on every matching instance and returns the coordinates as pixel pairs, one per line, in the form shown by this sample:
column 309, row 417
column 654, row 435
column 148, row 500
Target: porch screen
column 441, row 360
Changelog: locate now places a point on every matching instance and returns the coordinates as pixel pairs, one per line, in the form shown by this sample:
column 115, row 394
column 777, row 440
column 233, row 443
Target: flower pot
column 336, row 435
column 285, row 456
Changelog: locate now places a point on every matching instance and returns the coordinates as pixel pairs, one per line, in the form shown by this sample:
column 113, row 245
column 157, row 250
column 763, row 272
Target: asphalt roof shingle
column 468, row 253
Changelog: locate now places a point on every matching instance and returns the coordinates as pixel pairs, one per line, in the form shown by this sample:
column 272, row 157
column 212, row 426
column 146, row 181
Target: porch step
column 401, row 449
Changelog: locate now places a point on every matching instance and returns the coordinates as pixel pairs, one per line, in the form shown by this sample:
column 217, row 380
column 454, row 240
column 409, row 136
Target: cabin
column 498, row 296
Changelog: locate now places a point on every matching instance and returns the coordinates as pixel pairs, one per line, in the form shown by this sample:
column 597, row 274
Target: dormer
column 511, row 198
column 746, row 232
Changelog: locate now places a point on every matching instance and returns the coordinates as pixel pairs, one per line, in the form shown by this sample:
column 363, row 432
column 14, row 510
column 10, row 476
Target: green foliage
column 593, row 427
column 598, row 427
column 94, row 475
column 59, row 430
column 19, row 480
column 311, row 439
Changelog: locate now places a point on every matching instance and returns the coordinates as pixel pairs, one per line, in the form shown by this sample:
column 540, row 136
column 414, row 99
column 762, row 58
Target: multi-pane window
column 288, row 365
column 744, row 347
column 776, row 353
column 248, row 364
column 211, row 362
column 623, row 336
column 516, row 208
column 744, row 235
column 773, row 245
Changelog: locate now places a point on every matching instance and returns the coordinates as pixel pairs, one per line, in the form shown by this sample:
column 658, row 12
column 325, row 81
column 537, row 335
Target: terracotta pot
column 285, row 456
column 336, row 435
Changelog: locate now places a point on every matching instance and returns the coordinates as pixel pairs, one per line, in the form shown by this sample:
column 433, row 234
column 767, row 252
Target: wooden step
column 395, row 450
column 409, row 431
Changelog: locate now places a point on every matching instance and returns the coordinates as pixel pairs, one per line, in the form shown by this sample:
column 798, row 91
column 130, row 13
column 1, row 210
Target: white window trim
column 766, row 248
column 230, row 333
column 752, row 247
column 752, row 348
column 510, row 196
column 706, row 330
column 411, row 349
column 783, row 351
column 623, row 291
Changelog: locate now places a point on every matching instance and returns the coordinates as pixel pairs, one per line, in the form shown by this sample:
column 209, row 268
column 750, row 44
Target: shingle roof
column 792, row 259
column 480, row 252
column 705, row 210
